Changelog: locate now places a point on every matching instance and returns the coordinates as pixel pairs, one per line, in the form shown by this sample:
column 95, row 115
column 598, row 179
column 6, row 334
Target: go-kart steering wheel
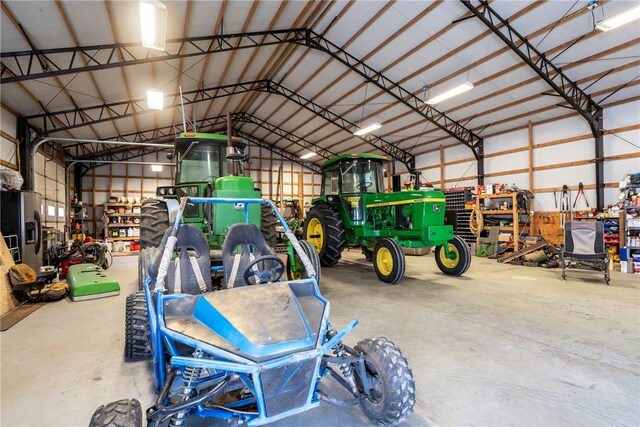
column 257, row 276
column 365, row 185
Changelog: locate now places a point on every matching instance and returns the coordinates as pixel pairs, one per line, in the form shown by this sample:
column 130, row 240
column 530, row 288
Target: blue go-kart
column 254, row 352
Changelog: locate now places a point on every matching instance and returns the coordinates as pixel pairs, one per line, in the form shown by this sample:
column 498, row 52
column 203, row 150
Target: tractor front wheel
column 324, row 230
column 146, row 257
column 123, row 413
column 391, row 399
column 388, row 260
column 154, row 221
column 301, row 272
column 460, row 261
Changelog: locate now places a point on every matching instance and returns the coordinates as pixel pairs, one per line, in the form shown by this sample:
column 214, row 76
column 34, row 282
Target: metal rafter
column 167, row 133
column 33, row 64
column 580, row 101
column 83, row 116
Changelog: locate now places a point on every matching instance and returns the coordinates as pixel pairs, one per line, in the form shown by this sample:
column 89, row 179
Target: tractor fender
column 173, row 205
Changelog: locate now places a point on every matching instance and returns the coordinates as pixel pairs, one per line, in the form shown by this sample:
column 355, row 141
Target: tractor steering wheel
column 365, row 185
column 267, row 275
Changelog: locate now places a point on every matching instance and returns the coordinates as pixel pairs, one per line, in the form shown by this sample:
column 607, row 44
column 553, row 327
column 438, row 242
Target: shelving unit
column 78, row 227
column 120, row 225
column 512, row 212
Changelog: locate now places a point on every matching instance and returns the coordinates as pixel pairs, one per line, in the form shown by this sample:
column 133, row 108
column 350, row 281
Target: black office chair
column 247, row 258
column 584, row 248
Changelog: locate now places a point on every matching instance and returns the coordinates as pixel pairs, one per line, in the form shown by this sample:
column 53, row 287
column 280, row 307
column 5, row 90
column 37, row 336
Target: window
column 51, row 211
column 60, row 212
column 362, row 176
column 331, row 179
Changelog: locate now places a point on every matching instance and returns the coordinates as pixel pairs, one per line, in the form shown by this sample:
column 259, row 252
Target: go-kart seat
column 192, row 262
column 242, row 245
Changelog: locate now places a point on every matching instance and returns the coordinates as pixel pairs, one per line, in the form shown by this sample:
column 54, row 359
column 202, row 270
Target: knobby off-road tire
column 388, row 260
column 391, row 400
column 137, row 342
column 146, row 257
column 154, row 221
column 123, row 413
column 323, row 228
column 459, row 265
column 268, row 225
column 310, row 251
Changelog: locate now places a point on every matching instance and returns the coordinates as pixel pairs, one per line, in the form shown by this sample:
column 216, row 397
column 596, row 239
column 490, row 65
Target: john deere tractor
column 208, row 165
column 353, row 210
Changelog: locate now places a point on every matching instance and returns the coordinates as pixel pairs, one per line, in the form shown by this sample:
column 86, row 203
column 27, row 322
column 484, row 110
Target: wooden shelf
column 503, row 212
column 496, row 196
column 109, row 225
column 119, row 214
column 506, row 227
column 123, row 204
column 123, row 238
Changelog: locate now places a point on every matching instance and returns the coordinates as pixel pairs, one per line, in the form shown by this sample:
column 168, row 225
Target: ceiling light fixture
column 155, row 99
column 308, row 155
column 156, row 168
column 464, row 87
column 620, row 19
column 367, row 129
column 153, row 24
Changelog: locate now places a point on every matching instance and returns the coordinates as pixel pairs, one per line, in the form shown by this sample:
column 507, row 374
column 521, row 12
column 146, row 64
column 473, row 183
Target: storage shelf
column 505, row 228
column 502, row 212
column 496, row 196
column 122, row 204
column 124, row 238
column 124, row 214
column 121, row 225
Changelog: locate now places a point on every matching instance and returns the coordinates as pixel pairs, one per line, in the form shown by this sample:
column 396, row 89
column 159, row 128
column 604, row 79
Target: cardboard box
column 504, row 237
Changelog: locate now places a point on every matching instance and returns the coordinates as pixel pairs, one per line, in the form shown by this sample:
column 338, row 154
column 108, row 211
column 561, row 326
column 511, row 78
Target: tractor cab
column 345, row 178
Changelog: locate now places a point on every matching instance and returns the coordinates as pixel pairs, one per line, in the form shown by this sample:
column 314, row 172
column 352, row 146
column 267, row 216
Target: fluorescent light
column 155, row 99
column 156, row 168
column 620, row 19
column 450, row 93
column 368, row 129
column 308, row 155
column 153, row 24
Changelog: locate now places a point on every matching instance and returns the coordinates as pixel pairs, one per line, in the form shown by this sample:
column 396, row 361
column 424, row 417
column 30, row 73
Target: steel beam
column 83, row 116
column 42, row 63
column 402, row 95
column 566, row 88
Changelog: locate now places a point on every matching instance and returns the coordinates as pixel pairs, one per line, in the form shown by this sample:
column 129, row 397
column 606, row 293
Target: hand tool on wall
column 581, row 192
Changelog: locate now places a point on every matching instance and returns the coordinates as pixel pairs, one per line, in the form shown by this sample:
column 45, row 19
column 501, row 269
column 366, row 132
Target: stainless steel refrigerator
column 20, row 215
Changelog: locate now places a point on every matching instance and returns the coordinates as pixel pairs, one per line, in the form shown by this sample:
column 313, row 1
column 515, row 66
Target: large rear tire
column 137, row 335
column 310, row 251
column 268, row 222
column 323, row 228
column 388, row 260
column 391, row 400
column 460, row 263
column 123, row 413
column 154, row 221
column 146, row 257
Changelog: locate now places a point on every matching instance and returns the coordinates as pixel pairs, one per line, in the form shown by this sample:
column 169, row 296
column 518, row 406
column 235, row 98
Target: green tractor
column 354, row 211
column 208, row 165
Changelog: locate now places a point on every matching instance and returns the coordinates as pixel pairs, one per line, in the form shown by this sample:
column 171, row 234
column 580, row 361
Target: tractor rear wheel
column 123, row 413
column 391, row 399
column 137, row 335
column 310, row 251
column 388, row 260
column 268, row 222
column 324, row 230
column 461, row 260
column 154, row 221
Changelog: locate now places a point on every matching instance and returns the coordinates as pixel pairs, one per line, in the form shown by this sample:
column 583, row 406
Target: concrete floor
column 503, row 345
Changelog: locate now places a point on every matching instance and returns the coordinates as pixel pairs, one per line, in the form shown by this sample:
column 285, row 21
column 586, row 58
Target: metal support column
column 599, row 146
column 26, row 159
